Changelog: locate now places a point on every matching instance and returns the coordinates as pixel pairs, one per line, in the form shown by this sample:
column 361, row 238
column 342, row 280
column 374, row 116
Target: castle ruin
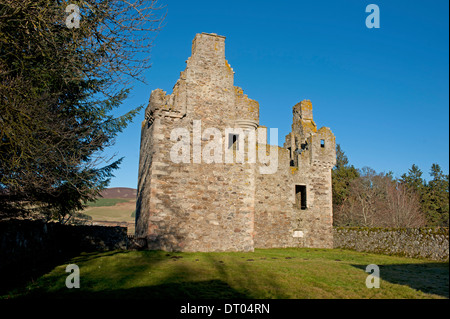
column 198, row 205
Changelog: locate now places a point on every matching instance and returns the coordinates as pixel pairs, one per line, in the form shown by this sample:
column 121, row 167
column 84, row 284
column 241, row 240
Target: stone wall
column 305, row 161
column 412, row 242
column 27, row 243
column 279, row 221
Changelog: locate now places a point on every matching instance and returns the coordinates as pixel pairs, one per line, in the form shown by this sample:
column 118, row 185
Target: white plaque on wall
column 298, row 233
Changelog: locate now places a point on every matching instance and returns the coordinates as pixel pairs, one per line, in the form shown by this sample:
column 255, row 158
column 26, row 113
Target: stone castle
column 198, row 204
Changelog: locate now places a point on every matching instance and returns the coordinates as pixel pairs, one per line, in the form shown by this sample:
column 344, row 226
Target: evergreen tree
column 436, row 198
column 58, row 87
column 414, row 182
column 413, row 179
column 342, row 175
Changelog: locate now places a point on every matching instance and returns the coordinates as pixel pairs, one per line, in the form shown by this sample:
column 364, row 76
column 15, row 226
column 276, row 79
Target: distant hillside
column 119, row 192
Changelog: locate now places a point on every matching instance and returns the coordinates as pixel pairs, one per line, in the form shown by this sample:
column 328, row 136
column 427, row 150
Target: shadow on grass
column 210, row 289
column 18, row 275
column 431, row 278
column 177, row 283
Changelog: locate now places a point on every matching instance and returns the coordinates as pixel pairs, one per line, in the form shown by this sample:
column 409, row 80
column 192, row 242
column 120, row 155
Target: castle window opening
column 233, row 141
column 291, row 162
column 300, row 196
column 322, row 143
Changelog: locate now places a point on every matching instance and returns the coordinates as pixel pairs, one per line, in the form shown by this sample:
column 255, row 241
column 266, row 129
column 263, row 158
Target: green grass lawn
column 265, row 273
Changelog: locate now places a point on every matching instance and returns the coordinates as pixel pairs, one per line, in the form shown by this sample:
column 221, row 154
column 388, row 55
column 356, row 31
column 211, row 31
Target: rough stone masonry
column 197, row 205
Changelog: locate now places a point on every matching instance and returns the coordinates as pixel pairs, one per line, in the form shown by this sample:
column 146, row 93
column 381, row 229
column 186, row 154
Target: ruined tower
column 294, row 206
column 191, row 199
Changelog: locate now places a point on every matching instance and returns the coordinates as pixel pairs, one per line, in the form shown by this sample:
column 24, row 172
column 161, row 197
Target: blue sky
column 383, row 92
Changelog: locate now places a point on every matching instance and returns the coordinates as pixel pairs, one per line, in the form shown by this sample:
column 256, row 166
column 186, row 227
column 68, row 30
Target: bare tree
column 377, row 200
column 363, row 201
column 403, row 207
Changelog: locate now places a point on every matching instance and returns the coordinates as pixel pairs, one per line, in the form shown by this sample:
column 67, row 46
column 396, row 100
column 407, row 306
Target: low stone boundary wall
column 429, row 243
column 26, row 243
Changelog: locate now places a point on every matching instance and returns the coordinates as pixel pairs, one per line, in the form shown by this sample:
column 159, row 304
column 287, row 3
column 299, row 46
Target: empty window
column 300, row 196
column 291, row 162
column 233, row 141
column 322, row 143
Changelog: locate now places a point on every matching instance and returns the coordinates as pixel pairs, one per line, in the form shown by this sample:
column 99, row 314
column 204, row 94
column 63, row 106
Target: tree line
column 363, row 197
